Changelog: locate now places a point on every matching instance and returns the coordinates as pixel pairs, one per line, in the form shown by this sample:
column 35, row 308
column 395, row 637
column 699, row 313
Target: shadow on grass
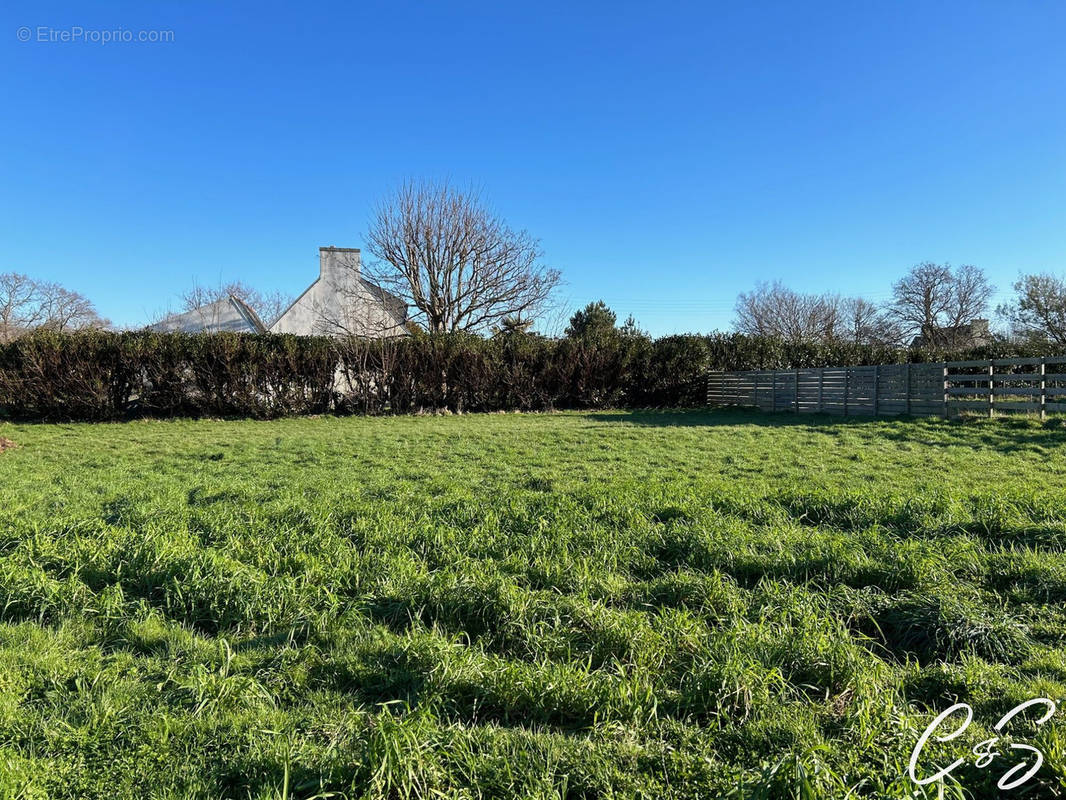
column 1003, row 433
column 720, row 417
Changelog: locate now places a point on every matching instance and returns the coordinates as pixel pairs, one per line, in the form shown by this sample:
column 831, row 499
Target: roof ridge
column 248, row 313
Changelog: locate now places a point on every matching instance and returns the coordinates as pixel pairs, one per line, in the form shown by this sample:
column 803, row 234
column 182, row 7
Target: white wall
column 340, row 303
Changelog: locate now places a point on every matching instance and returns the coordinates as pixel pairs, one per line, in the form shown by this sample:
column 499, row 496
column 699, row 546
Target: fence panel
column 1004, row 385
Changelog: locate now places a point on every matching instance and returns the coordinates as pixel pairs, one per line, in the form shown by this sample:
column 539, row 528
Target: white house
column 341, row 302
column 228, row 314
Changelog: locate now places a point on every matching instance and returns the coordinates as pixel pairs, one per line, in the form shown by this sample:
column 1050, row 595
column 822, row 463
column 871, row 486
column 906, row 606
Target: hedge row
column 106, row 376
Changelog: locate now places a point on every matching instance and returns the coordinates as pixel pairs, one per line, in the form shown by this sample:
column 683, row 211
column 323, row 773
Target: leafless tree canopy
column 268, row 305
column 863, row 322
column 26, row 304
column 934, row 300
column 775, row 310
column 1039, row 309
column 455, row 263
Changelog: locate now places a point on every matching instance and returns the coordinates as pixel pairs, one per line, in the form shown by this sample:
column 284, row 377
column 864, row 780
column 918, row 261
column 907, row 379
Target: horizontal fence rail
column 1029, row 385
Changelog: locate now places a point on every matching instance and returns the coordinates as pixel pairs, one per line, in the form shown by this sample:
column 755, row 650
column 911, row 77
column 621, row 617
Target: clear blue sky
column 667, row 155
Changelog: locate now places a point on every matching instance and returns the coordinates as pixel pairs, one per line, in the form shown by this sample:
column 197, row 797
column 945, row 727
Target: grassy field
column 660, row 605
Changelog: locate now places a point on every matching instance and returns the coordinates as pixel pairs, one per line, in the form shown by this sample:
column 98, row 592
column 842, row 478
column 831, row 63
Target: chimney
column 338, row 265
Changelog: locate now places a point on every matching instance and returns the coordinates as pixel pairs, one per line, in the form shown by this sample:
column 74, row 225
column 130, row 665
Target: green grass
column 660, row 605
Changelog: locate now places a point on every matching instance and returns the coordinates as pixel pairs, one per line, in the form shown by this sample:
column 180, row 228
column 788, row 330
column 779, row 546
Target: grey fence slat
column 1012, row 362
column 1008, row 391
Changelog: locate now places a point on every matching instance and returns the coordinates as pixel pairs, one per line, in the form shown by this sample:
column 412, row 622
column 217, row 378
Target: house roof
column 383, row 294
column 248, row 313
column 227, row 313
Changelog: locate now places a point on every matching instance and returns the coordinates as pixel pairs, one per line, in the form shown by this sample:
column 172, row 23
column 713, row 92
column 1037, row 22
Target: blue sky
column 667, row 155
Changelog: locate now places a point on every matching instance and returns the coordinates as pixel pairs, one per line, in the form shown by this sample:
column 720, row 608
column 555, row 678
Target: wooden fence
column 1032, row 385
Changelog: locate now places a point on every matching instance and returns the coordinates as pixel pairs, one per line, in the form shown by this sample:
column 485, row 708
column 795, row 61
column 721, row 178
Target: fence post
column 877, row 388
column 945, row 391
column 991, row 390
column 797, row 391
column 773, row 391
column 821, row 385
column 1043, row 390
column 847, row 386
column 907, row 387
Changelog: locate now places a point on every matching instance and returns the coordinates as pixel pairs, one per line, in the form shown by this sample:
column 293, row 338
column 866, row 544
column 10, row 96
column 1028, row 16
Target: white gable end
column 340, row 302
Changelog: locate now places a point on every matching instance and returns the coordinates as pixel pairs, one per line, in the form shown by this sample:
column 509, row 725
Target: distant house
column 974, row 333
column 341, row 302
column 228, row 314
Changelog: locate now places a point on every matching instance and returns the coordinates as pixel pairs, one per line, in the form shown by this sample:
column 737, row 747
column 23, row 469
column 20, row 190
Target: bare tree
column 19, row 306
column 271, row 305
column 26, row 303
column 64, row 310
column 454, row 262
column 775, row 310
column 863, row 322
column 935, row 301
column 922, row 300
column 1039, row 309
column 972, row 294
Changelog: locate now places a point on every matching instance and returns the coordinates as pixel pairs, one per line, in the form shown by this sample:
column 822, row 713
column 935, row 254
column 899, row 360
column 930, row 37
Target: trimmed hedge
column 97, row 375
